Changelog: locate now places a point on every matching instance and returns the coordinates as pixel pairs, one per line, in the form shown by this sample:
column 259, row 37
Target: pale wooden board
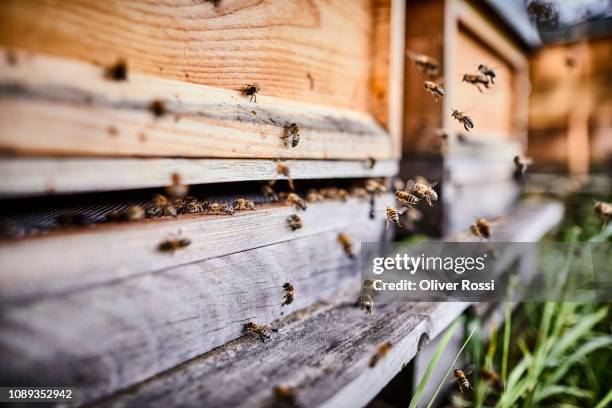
column 276, row 43
column 95, row 117
column 114, row 335
column 82, row 257
column 44, row 176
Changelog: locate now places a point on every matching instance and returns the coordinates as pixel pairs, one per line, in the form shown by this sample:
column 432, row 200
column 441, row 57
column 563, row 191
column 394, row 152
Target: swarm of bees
column 258, row 330
column 251, row 90
column 435, row 89
column 289, row 294
column 604, row 211
column 292, row 131
column 464, row 119
column 347, row 244
column 381, row 352
column 174, row 243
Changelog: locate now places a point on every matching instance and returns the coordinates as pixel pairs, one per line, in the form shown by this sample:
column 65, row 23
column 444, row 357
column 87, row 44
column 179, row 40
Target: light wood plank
column 42, row 176
column 74, row 259
column 153, row 322
column 97, row 117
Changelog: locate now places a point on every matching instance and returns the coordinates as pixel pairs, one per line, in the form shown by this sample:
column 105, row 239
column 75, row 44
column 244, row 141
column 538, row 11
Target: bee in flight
column 435, row 89
column 297, row 201
column 425, row 64
column 283, row 169
column 251, row 90
column 393, row 216
column 346, row 242
column 177, row 189
column 292, row 131
column 488, row 72
column 464, row 119
column 521, row 166
column 423, row 189
column 268, row 191
column 493, row 379
column 173, row 243
column 406, row 198
column 477, row 80
column 259, row 330
column 382, row 351
column 162, row 206
column 604, row 211
column 462, row 381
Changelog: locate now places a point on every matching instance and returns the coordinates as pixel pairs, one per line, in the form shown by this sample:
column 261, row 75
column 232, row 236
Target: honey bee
column 190, row 205
column 488, row 72
column 296, row 200
column 243, row 204
column 462, row 381
column 173, row 243
column 464, row 119
column 289, row 294
column 406, row 198
column 260, row 330
column 132, row 213
column 493, row 379
column 157, row 108
column 284, row 170
column 382, row 351
column 435, row 89
column 217, row 209
column 285, row 396
column 347, row 244
column 425, row 64
column 293, row 131
column 422, row 189
column 268, row 192
column 176, row 189
column 117, row 71
column 162, row 206
column 481, row 228
column 542, row 11
column 312, row 196
column 393, row 216
column 295, row 222
column 365, row 302
column 604, row 211
column 477, row 80
column 375, row 187
column 370, row 163
column 521, row 166
column 251, row 90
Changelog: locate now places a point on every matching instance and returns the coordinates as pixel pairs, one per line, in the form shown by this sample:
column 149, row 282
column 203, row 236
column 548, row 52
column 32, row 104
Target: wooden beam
column 44, row 176
column 83, row 257
column 97, row 117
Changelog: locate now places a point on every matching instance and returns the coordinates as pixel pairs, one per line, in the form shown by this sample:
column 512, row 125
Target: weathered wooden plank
column 117, row 251
column 315, row 51
column 38, row 176
column 153, row 322
column 95, row 117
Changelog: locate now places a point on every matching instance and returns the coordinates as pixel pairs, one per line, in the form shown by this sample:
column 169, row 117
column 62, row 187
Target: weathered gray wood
column 44, row 176
column 109, row 337
column 80, row 258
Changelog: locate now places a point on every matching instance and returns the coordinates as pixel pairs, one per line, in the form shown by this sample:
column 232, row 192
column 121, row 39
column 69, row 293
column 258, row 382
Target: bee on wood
column 487, row 72
column 347, row 244
column 268, row 192
column 521, row 166
column 422, row 189
column 162, row 206
column 218, row 209
column 493, row 379
column 243, row 204
column 406, row 198
column 295, row 222
column 481, row 228
column 134, row 213
column 117, row 71
column 477, row 80
column 312, row 196
column 370, row 163
column 289, row 294
column 292, row 131
column 435, row 89
column 71, row 219
column 259, row 330
column 462, row 381
column 251, row 90
column 604, row 211
column 157, row 108
column 190, row 205
column 297, row 201
column 382, row 351
column 173, row 243
column 283, row 169
column 176, row 189
column 285, row 396
column 393, row 216
column 365, row 302
column 425, row 64
column 464, row 119
column 375, row 187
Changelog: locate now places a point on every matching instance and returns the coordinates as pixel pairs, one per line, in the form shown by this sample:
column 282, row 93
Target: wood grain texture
column 97, row 117
column 84, row 257
column 276, row 43
column 45, row 176
column 114, row 335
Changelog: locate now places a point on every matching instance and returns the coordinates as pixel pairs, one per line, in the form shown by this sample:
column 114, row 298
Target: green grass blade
column 580, row 330
column 605, row 401
column 450, row 368
column 577, row 355
column 446, row 338
column 555, row 390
